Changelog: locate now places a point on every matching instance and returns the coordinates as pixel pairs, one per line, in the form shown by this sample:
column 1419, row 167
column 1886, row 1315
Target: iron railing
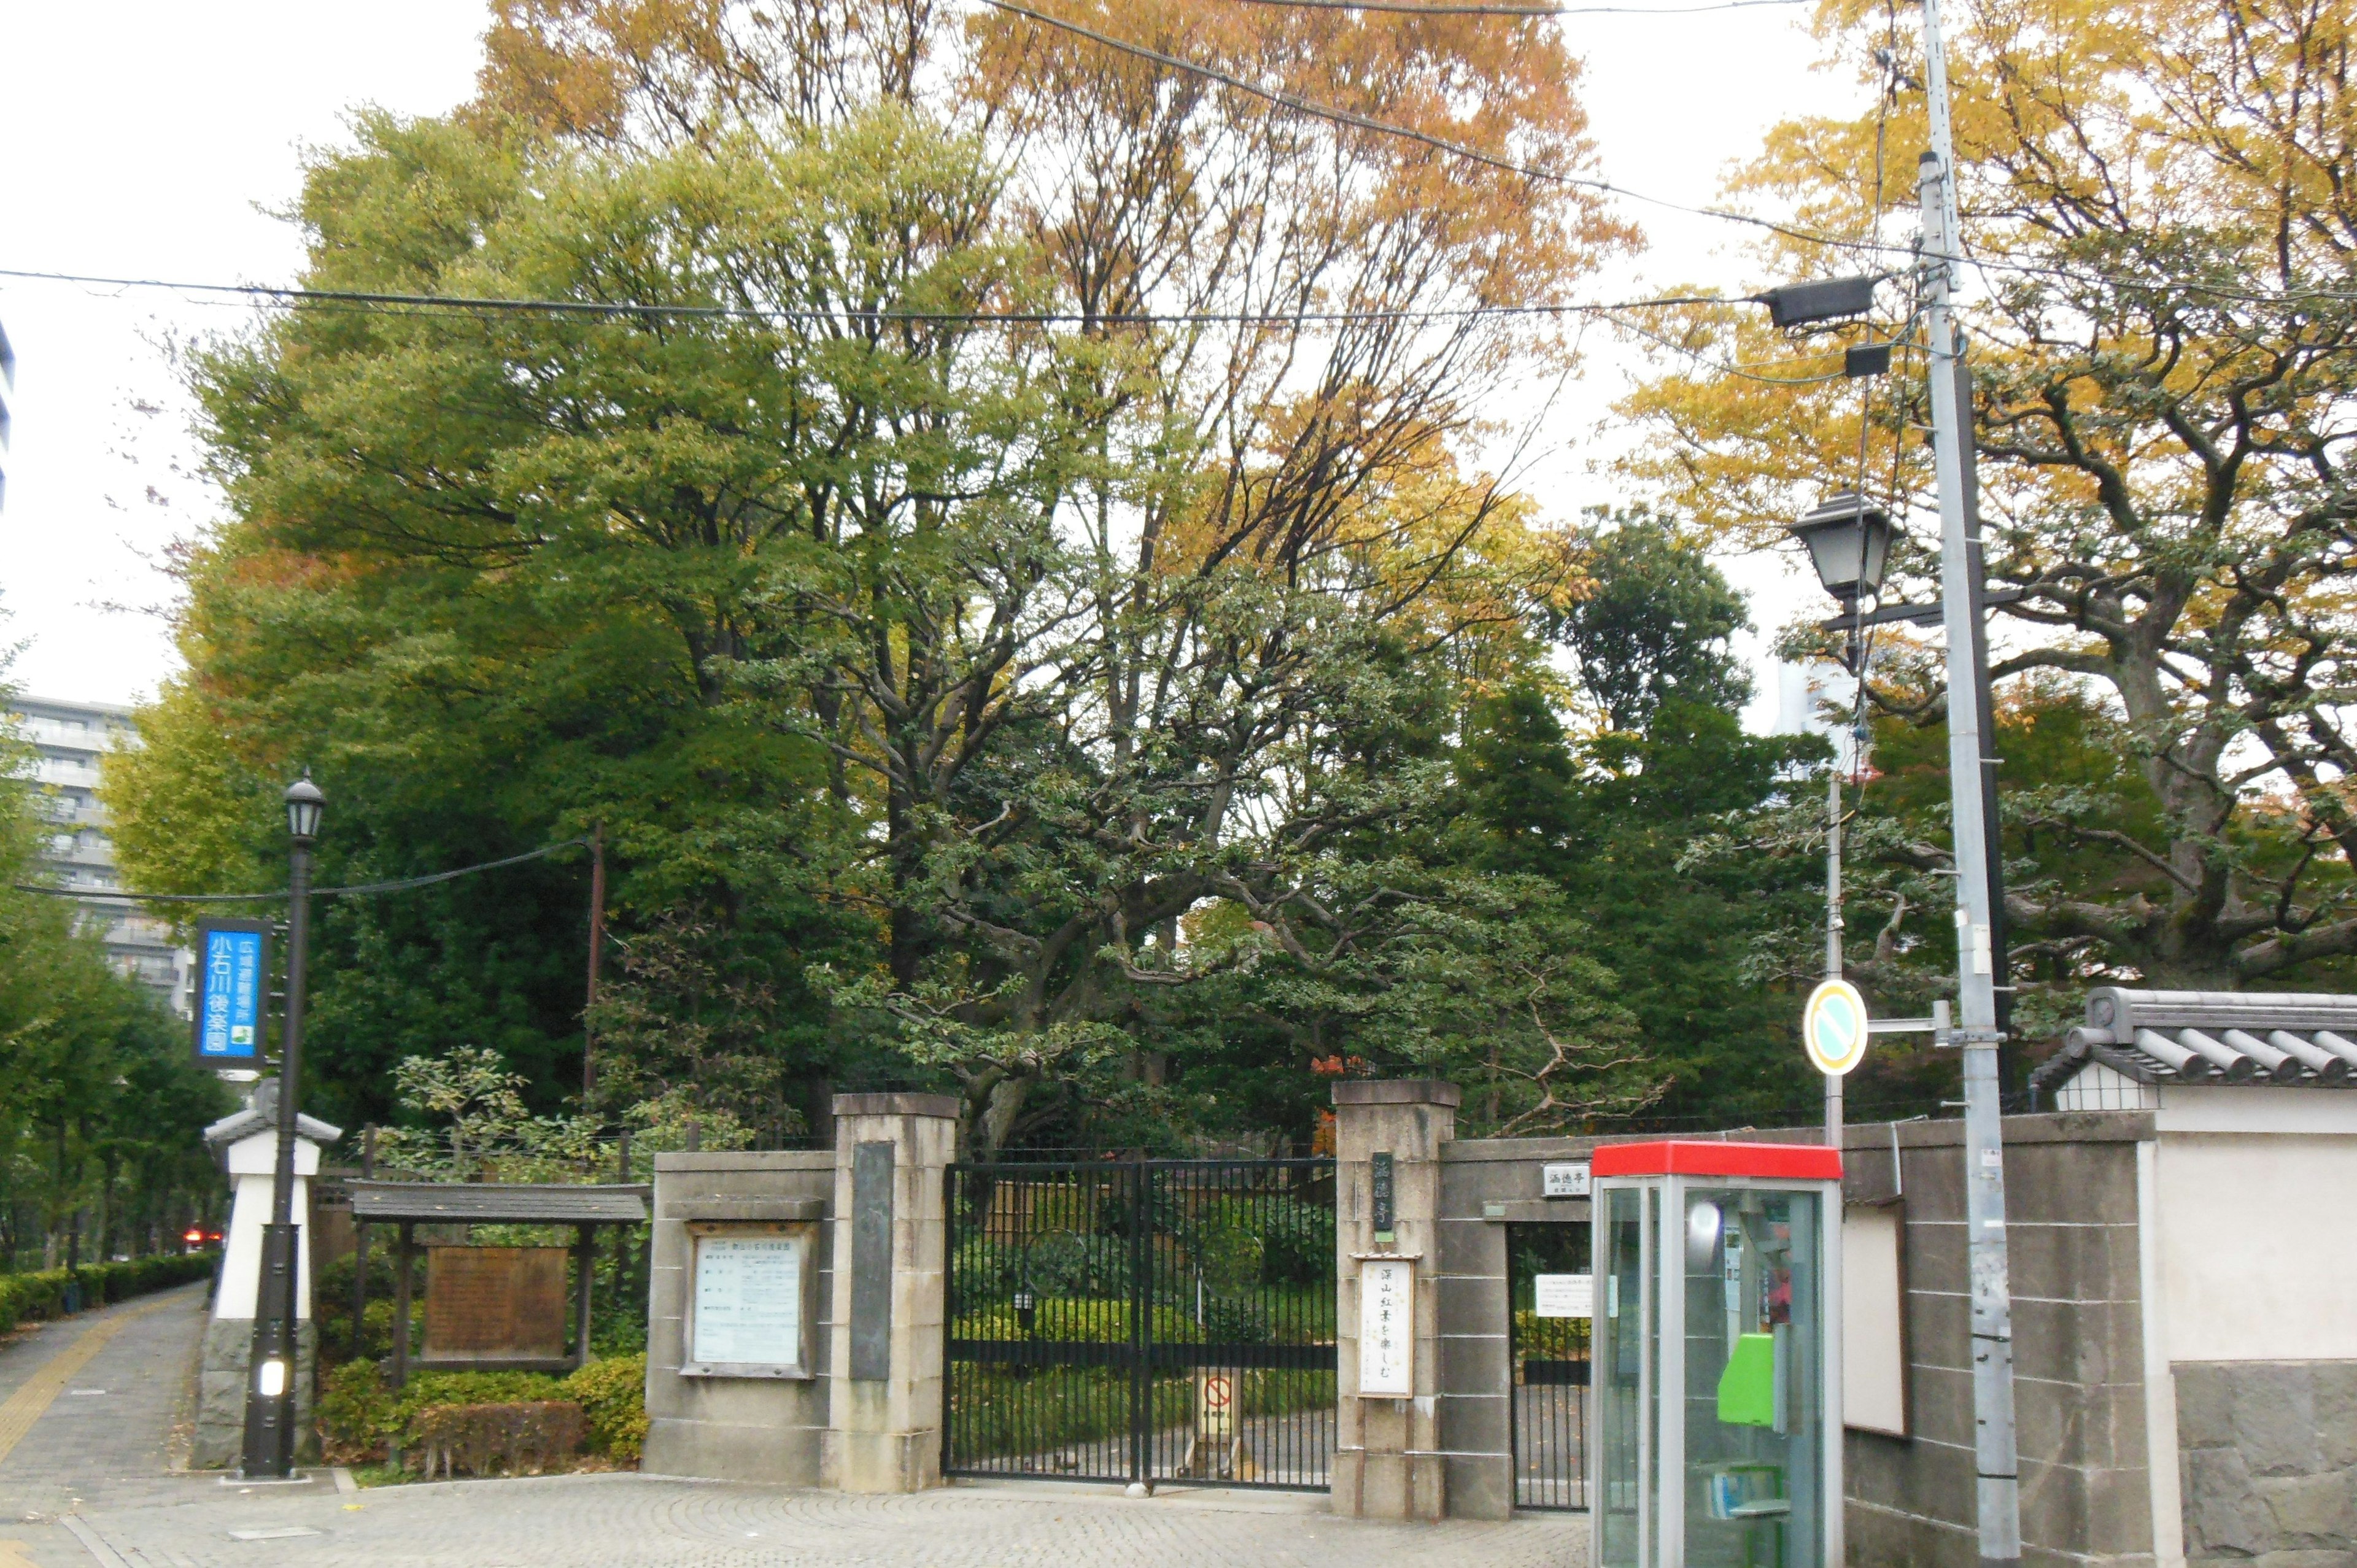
column 1141, row 1320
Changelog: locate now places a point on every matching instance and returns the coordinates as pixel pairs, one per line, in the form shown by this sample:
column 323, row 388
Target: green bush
column 614, row 1393
column 26, row 1298
column 361, row 1419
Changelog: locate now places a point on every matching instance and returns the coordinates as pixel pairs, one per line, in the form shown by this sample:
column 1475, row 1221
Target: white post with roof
column 246, row 1143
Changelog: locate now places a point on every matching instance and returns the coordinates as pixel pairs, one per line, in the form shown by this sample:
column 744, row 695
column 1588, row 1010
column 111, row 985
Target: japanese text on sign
column 1564, row 1295
column 749, row 1301
column 1565, row 1180
column 1386, row 1328
column 229, row 981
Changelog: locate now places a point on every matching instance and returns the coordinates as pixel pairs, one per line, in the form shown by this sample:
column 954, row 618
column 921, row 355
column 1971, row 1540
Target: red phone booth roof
column 1696, row 1156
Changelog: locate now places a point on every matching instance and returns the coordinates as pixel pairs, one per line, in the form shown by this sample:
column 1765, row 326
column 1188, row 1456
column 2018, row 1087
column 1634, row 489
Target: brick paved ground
column 96, row 1464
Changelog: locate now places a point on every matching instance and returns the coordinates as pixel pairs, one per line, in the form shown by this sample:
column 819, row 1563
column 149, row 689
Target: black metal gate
column 1141, row 1320
column 1550, row 1368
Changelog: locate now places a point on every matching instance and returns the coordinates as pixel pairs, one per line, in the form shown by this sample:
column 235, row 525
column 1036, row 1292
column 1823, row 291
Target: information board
column 495, row 1304
column 231, row 980
column 1386, row 1328
column 749, row 1301
column 1564, row 1295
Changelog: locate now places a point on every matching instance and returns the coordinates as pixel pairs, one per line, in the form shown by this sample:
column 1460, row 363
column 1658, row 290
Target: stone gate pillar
column 892, row 1236
column 1387, row 1140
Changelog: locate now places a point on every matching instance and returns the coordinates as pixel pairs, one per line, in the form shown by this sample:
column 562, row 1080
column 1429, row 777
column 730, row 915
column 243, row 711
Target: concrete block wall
column 1486, row 1184
column 2071, row 1184
column 731, row 1428
column 2079, row 1387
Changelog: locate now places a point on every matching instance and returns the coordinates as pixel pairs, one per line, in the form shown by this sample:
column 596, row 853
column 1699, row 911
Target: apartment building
column 69, row 738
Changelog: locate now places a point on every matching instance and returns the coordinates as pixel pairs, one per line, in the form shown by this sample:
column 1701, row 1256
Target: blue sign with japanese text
column 233, row 972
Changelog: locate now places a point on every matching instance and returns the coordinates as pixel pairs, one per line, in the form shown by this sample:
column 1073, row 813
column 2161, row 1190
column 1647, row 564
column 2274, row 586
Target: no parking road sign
column 1834, row 1027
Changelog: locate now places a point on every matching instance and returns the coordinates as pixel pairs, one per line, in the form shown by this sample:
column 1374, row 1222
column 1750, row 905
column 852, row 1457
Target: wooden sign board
column 495, row 1304
column 1387, row 1327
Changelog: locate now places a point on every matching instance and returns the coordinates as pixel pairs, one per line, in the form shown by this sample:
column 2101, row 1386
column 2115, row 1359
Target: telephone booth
column 1716, row 1364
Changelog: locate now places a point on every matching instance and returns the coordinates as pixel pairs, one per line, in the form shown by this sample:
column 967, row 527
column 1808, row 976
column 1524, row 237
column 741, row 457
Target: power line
column 401, row 886
column 461, row 304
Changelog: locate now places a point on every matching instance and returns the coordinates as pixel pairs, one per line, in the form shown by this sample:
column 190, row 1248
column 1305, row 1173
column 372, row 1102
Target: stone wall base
column 716, row 1451
column 880, row 1461
column 1389, row 1486
column 218, row 1442
column 2269, row 1460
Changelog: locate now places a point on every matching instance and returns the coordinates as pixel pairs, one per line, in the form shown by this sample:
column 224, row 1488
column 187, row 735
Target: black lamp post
column 270, row 1385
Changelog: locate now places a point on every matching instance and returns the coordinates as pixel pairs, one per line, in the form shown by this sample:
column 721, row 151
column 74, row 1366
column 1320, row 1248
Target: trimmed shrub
column 32, row 1297
column 613, row 1394
column 361, row 1420
column 471, row 1439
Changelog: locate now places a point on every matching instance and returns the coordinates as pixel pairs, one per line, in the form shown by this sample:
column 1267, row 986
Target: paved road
column 88, row 1486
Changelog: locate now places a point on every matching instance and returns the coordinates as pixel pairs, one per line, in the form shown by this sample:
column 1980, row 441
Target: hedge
column 30, row 1297
column 360, row 1418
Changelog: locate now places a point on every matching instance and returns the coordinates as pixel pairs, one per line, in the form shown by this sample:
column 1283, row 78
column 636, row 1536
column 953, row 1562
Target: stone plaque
column 1382, row 1181
column 491, row 1304
column 871, row 1260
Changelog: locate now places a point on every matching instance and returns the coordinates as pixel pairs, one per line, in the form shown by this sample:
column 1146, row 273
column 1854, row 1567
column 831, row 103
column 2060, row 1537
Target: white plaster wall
column 2256, row 1253
column 251, row 1162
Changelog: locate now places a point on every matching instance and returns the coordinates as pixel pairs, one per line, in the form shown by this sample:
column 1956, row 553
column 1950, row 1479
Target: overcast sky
column 144, row 140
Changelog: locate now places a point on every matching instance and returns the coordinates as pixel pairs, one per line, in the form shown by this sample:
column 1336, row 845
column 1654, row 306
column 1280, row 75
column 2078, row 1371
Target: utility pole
column 1999, row 1489
column 597, row 950
column 1833, row 1110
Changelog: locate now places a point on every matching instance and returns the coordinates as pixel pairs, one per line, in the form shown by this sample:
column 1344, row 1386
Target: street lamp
column 270, row 1386
column 1849, row 544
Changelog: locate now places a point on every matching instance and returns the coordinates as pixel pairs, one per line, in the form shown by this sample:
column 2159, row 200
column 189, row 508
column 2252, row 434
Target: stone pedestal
column 890, row 1250
column 218, row 1440
column 1388, row 1461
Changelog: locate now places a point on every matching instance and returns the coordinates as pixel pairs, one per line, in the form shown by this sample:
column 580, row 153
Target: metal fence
column 1141, row 1320
column 1550, row 1370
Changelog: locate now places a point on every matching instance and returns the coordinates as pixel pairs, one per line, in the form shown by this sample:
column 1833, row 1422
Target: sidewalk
column 88, row 1406
column 88, row 1486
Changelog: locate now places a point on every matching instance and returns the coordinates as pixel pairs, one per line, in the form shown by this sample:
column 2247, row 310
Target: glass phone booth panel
column 1716, row 1446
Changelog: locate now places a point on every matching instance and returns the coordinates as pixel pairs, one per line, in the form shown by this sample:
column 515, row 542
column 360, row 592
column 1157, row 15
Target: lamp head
column 304, row 805
column 1849, row 544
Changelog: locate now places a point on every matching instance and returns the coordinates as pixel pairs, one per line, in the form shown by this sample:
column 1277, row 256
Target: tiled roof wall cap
column 2232, row 1036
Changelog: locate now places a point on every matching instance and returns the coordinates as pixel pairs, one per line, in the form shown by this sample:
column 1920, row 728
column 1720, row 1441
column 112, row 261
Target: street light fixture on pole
column 1848, row 539
column 270, row 1401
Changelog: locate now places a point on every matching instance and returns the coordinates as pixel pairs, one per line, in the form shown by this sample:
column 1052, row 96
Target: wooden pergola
column 409, row 1204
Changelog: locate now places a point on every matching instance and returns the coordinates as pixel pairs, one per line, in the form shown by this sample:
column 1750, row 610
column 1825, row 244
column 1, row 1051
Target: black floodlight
column 1826, row 299
column 303, row 804
column 1849, row 544
column 1866, row 359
